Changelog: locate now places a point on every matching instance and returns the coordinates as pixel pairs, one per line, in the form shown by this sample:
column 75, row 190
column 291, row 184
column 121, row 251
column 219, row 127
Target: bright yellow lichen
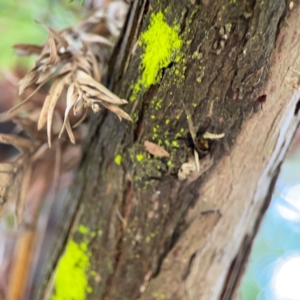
column 139, row 157
column 71, row 281
column 161, row 45
column 82, row 229
column 118, row 159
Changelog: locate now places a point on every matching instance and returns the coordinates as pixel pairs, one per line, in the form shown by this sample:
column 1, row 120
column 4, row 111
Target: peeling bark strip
column 147, row 237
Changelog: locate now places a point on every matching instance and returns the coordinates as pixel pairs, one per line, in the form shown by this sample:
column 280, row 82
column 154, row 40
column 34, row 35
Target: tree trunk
column 231, row 67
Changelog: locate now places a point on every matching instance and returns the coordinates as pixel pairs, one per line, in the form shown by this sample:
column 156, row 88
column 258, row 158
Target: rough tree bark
column 149, row 235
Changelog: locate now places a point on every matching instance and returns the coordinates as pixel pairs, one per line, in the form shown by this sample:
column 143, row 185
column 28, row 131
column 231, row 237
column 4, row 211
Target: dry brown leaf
column 69, row 131
column 106, row 98
column 83, row 64
column 29, row 126
column 53, row 59
column 90, row 91
column 28, row 49
column 39, row 152
column 57, row 36
column 87, row 101
column 86, row 79
column 117, row 110
column 68, row 67
column 42, row 60
column 96, row 71
column 94, row 38
column 29, row 79
column 52, row 102
column 71, row 98
column 6, row 117
column 58, row 120
column 154, row 149
column 25, row 100
column 81, row 119
column 78, row 106
column 85, row 47
column 78, row 101
column 45, row 75
column 22, row 144
column 56, row 87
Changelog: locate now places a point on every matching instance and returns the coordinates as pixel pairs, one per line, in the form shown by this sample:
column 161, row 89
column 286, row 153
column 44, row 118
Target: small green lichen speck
column 175, row 144
column 71, row 282
column 161, row 45
column 139, row 157
column 118, row 159
column 82, row 229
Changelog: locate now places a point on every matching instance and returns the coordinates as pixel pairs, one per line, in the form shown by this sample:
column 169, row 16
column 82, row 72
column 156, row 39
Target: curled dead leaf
column 94, row 38
column 29, row 79
column 57, row 36
column 117, row 110
column 52, row 97
column 22, row 144
column 53, row 59
column 85, row 79
column 27, row 49
column 69, row 131
column 154, row 149
column 53, row 101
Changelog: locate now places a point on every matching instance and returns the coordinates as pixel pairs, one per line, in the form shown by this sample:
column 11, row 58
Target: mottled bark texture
column 149, row 235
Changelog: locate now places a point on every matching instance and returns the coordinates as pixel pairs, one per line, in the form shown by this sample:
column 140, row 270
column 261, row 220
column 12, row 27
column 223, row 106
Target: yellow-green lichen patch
column 175, row 144
column 159, row 296
column 118, row 159
column 139, row 157
column 161, row 44
column 71, row 282
column 158, row 104
column 170, row 164
column 82, row 229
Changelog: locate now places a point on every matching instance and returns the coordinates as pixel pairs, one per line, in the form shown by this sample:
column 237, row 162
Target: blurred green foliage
column 17, row 24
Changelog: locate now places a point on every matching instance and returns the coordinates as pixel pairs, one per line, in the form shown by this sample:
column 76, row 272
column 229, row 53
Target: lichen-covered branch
column 145, row 234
